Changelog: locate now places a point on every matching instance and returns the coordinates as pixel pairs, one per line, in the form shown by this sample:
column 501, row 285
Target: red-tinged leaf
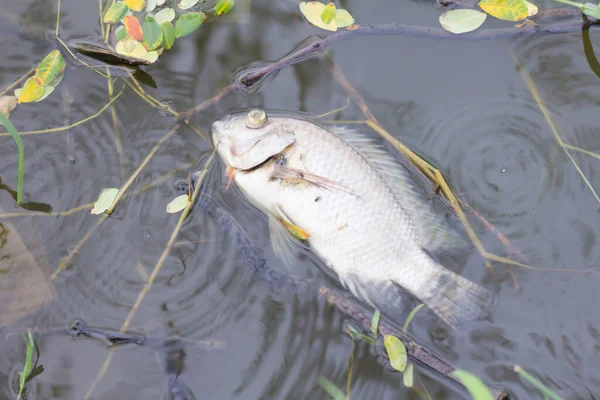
column 133, row 27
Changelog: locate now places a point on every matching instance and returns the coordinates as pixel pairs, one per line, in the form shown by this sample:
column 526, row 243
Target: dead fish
column 354, row 204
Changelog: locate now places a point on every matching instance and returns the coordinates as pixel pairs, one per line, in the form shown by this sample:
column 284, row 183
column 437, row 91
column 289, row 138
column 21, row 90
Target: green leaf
column 476, row 388
column 331, row 389
column 396, row 352
column 106, row 198
column 115, row 13
column 120, row 33
column 28, row 362
column 188, row 23
column 168, row 34
column 507, row 10
column 411, row 316
column 343, row 18
column 151, row 56
column 178, row 203
column 375, row 322
column 407, row 376
column 462, row 21
column 224, row 6
column 52, row 65
column 15, row 135
column 31, row 91
column 312, row 10
column 153, row 35
column 185, row 4
column 591, row 10
column 165, row 15
column 48, row 89
column 328, row 13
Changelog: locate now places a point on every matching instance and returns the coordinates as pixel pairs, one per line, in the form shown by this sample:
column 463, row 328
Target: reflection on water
column 493, row 145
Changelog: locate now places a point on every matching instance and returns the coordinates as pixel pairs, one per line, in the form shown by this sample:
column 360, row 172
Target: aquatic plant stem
column 52, row 214
column 66, row 127
column 148, row 284
column 133, row 176
column 17, row 82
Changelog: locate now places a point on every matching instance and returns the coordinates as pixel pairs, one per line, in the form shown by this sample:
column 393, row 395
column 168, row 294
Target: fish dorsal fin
column 436, row 235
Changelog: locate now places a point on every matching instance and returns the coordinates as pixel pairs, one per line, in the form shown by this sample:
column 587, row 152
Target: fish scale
column 357, row 205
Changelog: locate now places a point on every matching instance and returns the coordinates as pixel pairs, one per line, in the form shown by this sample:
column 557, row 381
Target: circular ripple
column 499, row 155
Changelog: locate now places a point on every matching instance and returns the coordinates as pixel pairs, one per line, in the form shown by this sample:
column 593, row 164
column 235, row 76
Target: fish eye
column 257, row 118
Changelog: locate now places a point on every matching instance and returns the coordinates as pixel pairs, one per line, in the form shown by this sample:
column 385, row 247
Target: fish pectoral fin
column 287, row 173
column 283, row 244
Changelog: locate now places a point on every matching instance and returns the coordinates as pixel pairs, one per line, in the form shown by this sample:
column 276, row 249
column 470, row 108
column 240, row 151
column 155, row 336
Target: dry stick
column 129, row 182
column 16, row 83
column 64, row 128
column 418, row 353
column 154, row 273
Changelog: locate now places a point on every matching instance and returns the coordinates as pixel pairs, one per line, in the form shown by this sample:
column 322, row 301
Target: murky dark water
column 462, row 105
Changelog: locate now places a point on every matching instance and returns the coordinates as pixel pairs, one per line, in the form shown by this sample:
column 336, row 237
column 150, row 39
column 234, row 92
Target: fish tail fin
column 457, row 300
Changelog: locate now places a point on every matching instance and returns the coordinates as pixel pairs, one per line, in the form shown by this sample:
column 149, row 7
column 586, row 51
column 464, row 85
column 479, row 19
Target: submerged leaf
column 185, row 4
column 188, row 23
column 31, row 91
column 52, row 65
column 507, row 10
column 328, row 13
column 407, row 376
column 224, row 6
column 135, row 5
column 165, row 15
column 178, row 203
column 133, row 27
column 312, row 10
column 7, row 104
column 396, row 352
column 131, row 47
column 462, row 21
column 107, row 196
column 532, row 9
column 115, row 13
column 168, row 34
column 477, row 389
column 343, row 18
column 153, row 35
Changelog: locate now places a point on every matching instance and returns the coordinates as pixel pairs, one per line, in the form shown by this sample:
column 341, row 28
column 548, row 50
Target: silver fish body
column 357, row 207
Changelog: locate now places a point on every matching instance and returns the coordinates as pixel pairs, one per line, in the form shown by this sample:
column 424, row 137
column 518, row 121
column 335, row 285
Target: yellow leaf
column 328, row 13
column 312, row 10
column 135, row 5
column 294, row 230
column 131, row 47
column 396, row 352
column 507, row 10
column 31, row 91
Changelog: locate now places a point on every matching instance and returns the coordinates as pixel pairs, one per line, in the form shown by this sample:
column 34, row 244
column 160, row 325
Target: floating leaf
column 462, row 21
column 396, row 352
column 48, row 89
column 133, row 27
column 153, row 35
column 343, row 18
column 476, row 388
column 188, row 23
column 178, row 203
column 151, row 56
column 312, row 10
column 165, row 15
column 31, row 91
column 150, row 6
column 224, row 6
column 532, row 9
column 52, row 65
column 407, row 376
column 507, row 10
column 7, row 104
column 120, row 33
column 131, row 47
column 185, row 4
column 106, row 198
column 328, row 13
column 168, row 34
column 115, row 13
column 135, row 5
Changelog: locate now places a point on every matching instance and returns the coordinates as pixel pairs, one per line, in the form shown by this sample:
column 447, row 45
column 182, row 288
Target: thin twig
column 17, row 82
column 51, row 214
column 154, row 274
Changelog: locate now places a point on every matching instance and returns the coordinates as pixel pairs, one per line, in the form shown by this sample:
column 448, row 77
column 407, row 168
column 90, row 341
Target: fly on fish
column 353, row 203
